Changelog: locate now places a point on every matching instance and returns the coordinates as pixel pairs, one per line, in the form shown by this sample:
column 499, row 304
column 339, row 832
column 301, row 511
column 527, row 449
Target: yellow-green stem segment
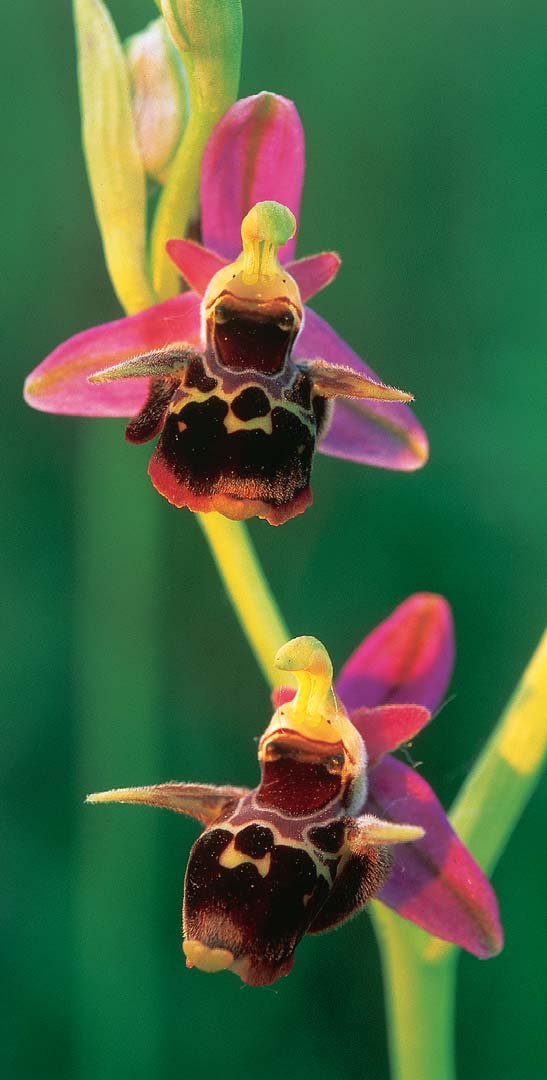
column 249, row 592
column 508, row 769
column 420, row 1000
column 176, row 202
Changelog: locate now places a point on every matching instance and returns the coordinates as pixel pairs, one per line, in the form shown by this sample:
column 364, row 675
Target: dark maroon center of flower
column 250, row 341
column 297, row 787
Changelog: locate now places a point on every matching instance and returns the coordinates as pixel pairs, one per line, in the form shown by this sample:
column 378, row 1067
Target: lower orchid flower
column 236, row 376
column 335, row 819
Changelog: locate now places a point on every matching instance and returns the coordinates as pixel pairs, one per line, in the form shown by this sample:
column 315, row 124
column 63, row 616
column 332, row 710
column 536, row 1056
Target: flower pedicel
column 312, row 844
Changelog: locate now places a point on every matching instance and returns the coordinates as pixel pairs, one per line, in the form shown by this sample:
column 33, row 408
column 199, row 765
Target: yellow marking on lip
column 230, row 858
column 191, row 395
column 258, row 423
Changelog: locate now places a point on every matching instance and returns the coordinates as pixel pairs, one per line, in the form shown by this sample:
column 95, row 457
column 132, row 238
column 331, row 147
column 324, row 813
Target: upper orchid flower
column 236, row 374
column 311, row 845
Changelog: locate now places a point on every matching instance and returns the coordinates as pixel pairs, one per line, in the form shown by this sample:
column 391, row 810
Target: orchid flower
column 335, row 819
column 236, row 375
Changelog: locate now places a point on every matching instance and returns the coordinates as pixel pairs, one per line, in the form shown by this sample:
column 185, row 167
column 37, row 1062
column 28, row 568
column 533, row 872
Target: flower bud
column 160, row 107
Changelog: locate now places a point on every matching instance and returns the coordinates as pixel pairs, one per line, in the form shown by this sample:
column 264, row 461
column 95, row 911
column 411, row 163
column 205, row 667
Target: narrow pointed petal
column 196, row 263
column 434, row 882
column 371, row 433
column 388, row 726
column 332, row 381
column 408, row 657
column 60, row 383
column 169, row 362
column 255, row 154
column 314, row 272
column 369, row 831
column 201, row 801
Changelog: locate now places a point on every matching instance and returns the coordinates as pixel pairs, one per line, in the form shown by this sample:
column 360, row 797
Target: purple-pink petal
column 314, row 272
column 281, row 695
column 387, row 727
column 434, row 881
column 369, row 432
column 408, row 657
column 196, row 263
column 59, row 384
column 256, row 152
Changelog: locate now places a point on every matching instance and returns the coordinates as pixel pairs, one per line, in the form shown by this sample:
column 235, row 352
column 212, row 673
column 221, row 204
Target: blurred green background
column 123, row 663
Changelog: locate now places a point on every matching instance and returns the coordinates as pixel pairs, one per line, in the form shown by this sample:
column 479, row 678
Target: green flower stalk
column 208, row 35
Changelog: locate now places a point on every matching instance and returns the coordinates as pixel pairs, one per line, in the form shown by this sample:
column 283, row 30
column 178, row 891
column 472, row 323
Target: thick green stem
column 420, row 1000
column 502, row 780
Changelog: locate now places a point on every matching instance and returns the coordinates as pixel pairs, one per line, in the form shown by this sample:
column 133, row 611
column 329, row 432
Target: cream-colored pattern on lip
column 258, row 423
column 210, row 960
column 230, row 858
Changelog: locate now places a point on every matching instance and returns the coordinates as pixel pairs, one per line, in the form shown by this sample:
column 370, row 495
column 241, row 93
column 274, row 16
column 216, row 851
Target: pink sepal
column 196, row 263
column 434, row 881
column 314, row 272
column 369, row 432
column 408, row 657
column 256, row 152
column 59, row 384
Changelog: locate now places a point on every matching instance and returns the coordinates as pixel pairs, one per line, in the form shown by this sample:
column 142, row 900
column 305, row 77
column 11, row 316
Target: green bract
column 116, row 173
